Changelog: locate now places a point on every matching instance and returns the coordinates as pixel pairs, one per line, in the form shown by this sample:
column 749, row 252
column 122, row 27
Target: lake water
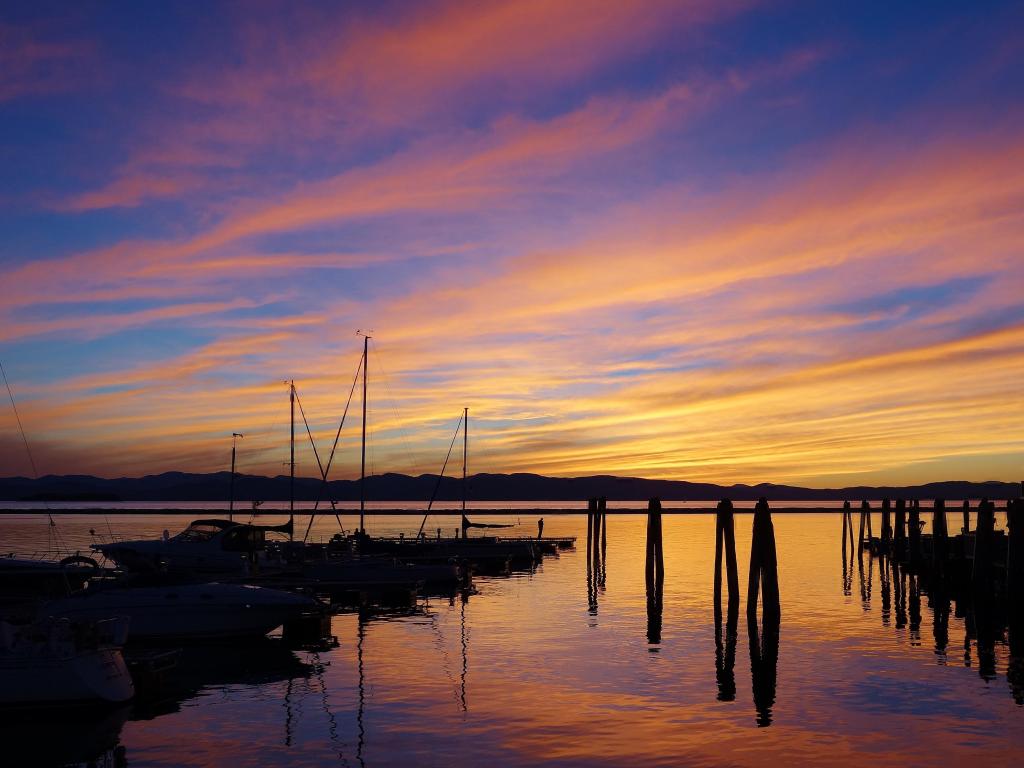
column 558, row 667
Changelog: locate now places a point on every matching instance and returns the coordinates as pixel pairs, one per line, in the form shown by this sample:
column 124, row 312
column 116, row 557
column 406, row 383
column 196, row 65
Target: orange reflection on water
column 550, row 667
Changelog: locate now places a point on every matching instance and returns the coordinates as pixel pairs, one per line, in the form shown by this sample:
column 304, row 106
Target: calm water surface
column 547, row 668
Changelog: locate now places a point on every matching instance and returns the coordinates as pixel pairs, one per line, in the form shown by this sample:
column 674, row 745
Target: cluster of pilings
column 978, row 575
column 597, row 548
column 978, row 561
column 762, row 589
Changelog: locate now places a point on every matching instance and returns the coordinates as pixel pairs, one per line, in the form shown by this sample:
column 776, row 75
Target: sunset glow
column 709, row 241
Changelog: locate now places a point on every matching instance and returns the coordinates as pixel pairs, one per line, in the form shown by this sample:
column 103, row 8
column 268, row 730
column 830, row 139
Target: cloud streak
column 555, row 217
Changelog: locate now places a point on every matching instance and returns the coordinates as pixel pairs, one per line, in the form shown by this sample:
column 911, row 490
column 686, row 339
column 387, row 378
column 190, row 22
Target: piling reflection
column 940, row 623
column 898, row 577
column 597, row 547
column 764, row 640
column 978, row 578
column 764, row 660
column 886, row 589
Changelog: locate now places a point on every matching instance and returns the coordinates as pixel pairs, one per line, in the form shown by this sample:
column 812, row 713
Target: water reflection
column 865, row 578
column 361, row 708
column 204, row 668
column 597, row 547
column 764, row 661
column 725, row 657
column 76, row 736
column 949, row 587
column 547, row 686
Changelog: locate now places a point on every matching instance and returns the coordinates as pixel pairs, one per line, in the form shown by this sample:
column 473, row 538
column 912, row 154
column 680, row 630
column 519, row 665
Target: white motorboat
column 61, row 661
column 188, row 611
column 208, row 547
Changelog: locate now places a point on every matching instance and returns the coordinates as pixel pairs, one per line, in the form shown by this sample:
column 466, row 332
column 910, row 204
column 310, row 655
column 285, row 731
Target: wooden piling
column 967, row 518
column 983, row 554
column 847, row 527
column 655, row 572
column 914, row 536
column 1015, row 592
column 940, row 540
column 593, row 523
column 886, row 527
column 860, row 536
column 899, row 544
column 1015, row 554
column 846, row 512
column 725, row 539
column 764, row 572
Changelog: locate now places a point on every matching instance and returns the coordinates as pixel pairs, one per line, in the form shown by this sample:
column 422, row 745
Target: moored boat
column 60, row 661
column 211, row 611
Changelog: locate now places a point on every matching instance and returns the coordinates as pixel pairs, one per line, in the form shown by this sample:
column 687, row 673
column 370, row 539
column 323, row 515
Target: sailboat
column 488, row 553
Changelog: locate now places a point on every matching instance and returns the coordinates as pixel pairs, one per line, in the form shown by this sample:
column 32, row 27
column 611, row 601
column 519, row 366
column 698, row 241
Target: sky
column 720, row 241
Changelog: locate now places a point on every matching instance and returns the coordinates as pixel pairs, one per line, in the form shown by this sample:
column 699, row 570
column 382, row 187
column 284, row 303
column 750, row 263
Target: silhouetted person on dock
column 540, row 528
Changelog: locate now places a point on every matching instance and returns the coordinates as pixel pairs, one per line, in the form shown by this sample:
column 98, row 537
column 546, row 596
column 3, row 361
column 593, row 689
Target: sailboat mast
column 231, row 500
column 362, row 469
column 465, row 455
column 291, row 481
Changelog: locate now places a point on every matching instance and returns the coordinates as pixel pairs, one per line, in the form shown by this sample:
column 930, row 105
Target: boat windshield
column 198, row 532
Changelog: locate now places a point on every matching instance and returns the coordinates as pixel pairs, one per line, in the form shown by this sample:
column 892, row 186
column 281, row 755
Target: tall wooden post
column 725, row 538
column 654, row 572
column 914, row 536
column 764, row 572
column 940, row 540
column 886, row 527
column 900, row 538
column 764, row 645
column 1015, row 554
column 983, row 534
column 860, row 536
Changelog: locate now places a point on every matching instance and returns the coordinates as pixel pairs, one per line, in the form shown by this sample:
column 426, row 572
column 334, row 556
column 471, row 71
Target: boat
column 489, row 553
column 206, row 547
column 184, row 611
column 63, row 661
column 27, row 579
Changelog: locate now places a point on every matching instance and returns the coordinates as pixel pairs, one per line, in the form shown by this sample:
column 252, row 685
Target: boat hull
column 190, row 612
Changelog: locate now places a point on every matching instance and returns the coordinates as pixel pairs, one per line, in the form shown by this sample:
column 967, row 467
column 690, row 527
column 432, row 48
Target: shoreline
column 221, row 513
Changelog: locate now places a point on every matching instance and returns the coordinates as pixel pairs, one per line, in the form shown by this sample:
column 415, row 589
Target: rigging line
column 415, row 465
column 330, row 459
column 337, row 435
column 316, row 453
column 437, row 485
column 28, row 449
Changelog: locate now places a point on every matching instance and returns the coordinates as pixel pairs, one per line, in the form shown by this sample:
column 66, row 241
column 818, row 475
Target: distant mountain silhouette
column 182, row 486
